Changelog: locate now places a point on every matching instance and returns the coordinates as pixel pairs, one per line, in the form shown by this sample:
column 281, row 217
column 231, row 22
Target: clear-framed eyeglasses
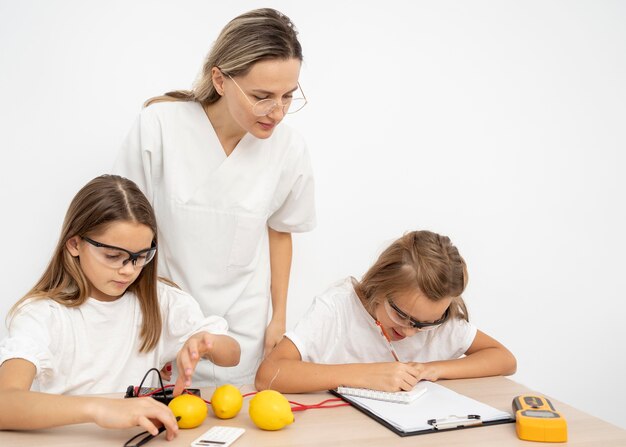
column 116, row 257
column 266, row 106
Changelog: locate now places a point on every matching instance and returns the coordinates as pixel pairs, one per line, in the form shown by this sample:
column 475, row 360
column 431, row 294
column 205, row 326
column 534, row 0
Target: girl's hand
column 166, row 372
column 427, row 371
column 392, row 376
column 273, row 334
column 125, row 413
column 197, row 346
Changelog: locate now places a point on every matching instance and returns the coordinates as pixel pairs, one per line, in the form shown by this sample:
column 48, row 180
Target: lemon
column 270, row 410
column 191, row 409
column 226, row 401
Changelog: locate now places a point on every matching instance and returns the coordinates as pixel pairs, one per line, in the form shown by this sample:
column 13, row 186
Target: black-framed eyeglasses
column 406, row 320
column 117, row 257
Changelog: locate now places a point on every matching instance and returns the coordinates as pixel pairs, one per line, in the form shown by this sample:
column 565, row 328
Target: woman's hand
column 273, row 334
column 140, row 411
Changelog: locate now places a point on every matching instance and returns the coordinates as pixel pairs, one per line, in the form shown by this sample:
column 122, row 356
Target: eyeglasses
column 403, row 319
column 266, row 106
column 116, row 257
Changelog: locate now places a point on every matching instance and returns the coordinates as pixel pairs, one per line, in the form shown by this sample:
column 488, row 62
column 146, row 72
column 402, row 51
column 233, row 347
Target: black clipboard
column 438, row 425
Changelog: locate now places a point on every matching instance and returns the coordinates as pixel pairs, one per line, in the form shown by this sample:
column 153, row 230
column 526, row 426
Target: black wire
column 148, row 436
column 143, row 440
column 160, row 382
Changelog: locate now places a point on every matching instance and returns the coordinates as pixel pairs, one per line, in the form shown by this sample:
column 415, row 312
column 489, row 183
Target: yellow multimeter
column 537, row 420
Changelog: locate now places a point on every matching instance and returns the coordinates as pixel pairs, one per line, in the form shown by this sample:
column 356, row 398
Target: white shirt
column 338, row 329
column 213, row 212
column 94, row 348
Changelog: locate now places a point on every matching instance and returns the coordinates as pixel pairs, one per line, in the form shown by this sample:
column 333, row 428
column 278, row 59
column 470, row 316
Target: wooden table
column 345, row 426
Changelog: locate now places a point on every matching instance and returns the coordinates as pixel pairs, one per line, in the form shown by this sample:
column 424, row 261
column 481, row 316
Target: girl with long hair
column 98, row 319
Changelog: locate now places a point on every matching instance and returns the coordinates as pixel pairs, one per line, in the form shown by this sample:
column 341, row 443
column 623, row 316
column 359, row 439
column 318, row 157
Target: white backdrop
column 498, row 123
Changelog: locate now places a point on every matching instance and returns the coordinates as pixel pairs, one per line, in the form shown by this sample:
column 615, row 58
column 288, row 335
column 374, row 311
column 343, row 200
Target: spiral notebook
column 438, row 409
column 401, row 397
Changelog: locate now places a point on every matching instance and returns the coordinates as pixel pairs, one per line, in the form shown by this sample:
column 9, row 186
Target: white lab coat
column 213, row 212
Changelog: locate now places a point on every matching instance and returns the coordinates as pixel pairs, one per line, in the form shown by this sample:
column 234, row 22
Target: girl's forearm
column 296, row 376
column 484, row 363
column 28, row 410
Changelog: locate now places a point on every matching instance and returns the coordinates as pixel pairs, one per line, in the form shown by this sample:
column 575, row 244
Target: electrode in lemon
column 226, row 401
column 191, row 409
column 270, row 410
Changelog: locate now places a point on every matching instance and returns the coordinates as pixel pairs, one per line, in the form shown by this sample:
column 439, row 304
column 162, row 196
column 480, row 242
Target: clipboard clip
column 453, row 421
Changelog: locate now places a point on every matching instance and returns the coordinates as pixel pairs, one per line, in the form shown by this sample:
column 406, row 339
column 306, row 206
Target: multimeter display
column 536, row 419
column 540, row 414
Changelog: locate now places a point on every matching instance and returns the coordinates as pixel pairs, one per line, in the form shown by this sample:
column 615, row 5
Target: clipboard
column 440, row 409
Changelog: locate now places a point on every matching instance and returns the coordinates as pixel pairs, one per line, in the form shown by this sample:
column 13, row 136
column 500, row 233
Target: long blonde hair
column 101, row 202
column 419, row 261
column 254, row 36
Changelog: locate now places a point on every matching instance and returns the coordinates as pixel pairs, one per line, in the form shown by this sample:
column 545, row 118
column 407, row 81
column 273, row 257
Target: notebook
column 401, row 397
column 439, row 408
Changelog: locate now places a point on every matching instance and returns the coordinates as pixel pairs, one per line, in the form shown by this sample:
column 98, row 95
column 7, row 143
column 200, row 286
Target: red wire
column 302, row 407
column 316, row 407
column 333, row 399
column 320, row 405
column 298, row 406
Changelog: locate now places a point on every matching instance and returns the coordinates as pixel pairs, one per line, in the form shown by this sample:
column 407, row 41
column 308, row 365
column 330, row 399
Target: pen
column 382, row 331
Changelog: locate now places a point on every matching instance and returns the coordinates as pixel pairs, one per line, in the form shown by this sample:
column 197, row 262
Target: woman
column 228, row 184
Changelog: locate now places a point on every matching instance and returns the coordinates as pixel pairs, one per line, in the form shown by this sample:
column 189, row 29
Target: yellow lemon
column 226, row 401
column 270, row 410
column 191, row 409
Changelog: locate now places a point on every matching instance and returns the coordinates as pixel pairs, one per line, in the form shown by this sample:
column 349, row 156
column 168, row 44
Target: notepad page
column 401, row 397
column 438, row 402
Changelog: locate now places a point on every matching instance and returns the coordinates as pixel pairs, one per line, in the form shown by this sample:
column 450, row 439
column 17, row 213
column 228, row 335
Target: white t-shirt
column 337, row 329
column 214, row 211
column 94, row 348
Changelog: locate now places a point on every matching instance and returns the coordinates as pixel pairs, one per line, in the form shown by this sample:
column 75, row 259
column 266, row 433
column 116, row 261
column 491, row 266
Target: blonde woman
column 230, row 182
column 405, row 321
column 98, row 320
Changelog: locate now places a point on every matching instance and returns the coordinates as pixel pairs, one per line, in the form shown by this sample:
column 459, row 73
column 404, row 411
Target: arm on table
column 23, row 409
column 283, row 370
column 485, row 357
